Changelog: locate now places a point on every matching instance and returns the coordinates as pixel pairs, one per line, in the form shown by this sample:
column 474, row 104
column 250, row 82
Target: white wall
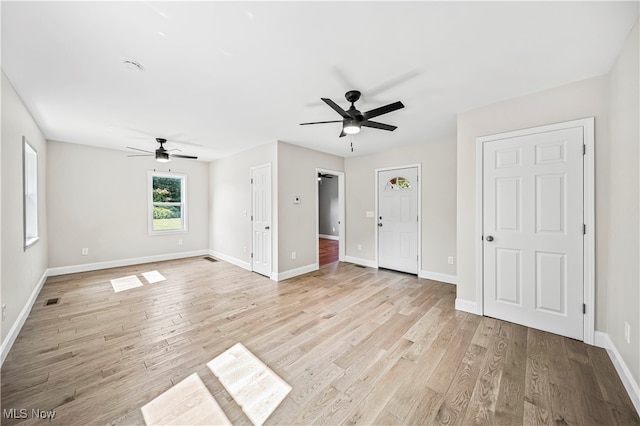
column 98, row 199
column 297, row 176
column 587, row 98
column 21, row 270
column 230, row 204
column 623, row 279
column 438, row 183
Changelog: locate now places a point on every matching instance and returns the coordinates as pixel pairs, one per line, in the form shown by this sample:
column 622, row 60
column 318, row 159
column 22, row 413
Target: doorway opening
column 330, row 216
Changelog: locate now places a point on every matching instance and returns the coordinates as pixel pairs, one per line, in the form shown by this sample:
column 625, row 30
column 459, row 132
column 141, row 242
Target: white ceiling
column 227, row 76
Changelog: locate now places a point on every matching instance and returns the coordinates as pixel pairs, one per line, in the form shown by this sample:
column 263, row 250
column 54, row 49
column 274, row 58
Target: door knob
column 267, row 227
column 489, row 238
column 379, row 224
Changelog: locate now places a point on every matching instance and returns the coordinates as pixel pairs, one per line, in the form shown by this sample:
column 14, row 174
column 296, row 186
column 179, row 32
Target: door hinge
column 251, row 180
column 251, row 217
column 584, row 308
column 584, row 149
column 584, row 229
column 252, row 255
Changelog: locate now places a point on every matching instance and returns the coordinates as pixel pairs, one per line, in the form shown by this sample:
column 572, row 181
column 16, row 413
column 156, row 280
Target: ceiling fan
column 162, row 154
column 353, row 120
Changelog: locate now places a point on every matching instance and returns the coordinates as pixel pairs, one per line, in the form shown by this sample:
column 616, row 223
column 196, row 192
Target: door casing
column 341, row 215
column 588, row 207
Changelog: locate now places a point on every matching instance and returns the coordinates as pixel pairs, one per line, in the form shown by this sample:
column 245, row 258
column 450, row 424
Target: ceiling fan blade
column 140, row 155
column 336, row 107
column 183, row 156
column 392, row 82
column 138, row 149
column 383, row 110
column 376, row 125
column 342, row 134
column 322, row 122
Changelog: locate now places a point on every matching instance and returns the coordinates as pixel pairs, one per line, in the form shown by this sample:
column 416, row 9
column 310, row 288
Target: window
column 167, row 203
column 397, row 183
column 30, row 193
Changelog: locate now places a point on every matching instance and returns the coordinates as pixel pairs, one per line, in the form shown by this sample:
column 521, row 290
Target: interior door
column 261, row 219
column 533, row 230
column 398, row 219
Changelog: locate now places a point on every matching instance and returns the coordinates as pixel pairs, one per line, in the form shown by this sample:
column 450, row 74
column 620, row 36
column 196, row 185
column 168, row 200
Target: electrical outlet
column 85, row 251
column 627, row 332
column 293, row 255
column 359, row 247
column 179, row 242
column 4, row 311
column 450, row 260
column 334, row 229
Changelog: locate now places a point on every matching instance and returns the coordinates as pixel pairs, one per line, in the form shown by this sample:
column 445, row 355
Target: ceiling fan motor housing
column 352, row 95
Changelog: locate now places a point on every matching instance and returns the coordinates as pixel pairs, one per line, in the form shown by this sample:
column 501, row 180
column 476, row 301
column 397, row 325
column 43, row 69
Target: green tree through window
column 168, row 203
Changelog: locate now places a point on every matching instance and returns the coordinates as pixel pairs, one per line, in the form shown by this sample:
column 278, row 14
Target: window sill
column 169, row 232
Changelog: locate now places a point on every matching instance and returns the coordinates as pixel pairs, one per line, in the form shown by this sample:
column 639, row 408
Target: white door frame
column 587, row 125
column 377, row 215
column 251, row 170
column 341, row 214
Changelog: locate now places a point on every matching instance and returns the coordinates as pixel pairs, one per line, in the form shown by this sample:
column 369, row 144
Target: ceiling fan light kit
column 351, row 127
column 162, row 157
column 353, row 120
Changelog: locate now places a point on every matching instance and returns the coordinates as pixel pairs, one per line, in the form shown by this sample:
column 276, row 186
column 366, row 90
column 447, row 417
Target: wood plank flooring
column 328, row 251
column 358, row 346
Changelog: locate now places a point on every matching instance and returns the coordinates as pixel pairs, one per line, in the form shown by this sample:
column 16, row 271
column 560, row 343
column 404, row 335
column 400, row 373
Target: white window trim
column 183, row 204
column 29, row 240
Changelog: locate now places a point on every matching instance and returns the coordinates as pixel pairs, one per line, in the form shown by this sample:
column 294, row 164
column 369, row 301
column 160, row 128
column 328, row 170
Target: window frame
column 182, row 204
column 30, row 216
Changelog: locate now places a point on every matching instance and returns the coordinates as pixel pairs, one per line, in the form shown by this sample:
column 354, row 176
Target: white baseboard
column 603, row 340
column 467, row 306
column 363, row 262
column 17, row 326
column 437, row 276
column 329, row 237
column 62, row 270
column 231, row 260
column 295, row 272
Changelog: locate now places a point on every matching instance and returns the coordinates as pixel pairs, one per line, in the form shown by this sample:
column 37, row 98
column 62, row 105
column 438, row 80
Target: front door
column 398, row 219
column 261, row 219
column 533, row 230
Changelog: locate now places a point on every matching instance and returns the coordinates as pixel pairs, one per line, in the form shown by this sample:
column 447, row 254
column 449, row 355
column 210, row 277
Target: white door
column 261, row 219
column 398, row 219
column 533, row 230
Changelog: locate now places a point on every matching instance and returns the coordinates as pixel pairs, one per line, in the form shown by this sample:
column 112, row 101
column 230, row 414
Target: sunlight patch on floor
column 153, row 277
column 187, row 403
column 125, row 283
column 256, row 388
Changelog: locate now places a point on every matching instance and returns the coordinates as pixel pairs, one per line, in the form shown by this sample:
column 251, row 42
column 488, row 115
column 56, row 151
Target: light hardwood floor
column 358, row 346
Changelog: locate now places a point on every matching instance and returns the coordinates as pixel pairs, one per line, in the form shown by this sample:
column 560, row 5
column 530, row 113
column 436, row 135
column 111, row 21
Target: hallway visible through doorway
column 328, row 250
